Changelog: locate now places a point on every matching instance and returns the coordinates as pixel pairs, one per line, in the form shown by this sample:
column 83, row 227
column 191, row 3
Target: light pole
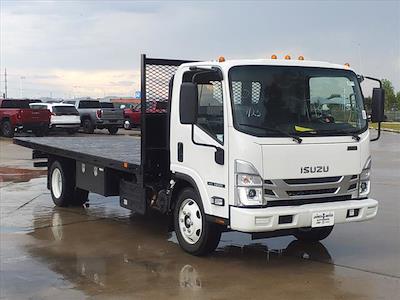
column 20, row 85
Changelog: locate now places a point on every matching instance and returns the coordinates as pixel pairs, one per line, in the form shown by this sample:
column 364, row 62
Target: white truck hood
column 310, row 160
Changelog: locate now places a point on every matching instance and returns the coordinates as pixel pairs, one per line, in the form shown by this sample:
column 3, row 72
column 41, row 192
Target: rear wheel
column 195, row 234
column 112, row 130
column 62, row 186
column 313, row 234
column 88, row 126
column 7, row 129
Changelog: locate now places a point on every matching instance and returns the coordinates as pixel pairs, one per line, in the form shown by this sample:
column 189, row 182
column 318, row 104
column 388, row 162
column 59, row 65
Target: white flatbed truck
column 270, row 147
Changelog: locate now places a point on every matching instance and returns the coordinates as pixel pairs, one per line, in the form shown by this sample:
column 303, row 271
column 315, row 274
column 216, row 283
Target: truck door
column 197, row 146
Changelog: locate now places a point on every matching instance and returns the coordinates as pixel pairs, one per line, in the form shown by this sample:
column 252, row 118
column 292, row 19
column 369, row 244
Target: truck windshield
column 300, row 101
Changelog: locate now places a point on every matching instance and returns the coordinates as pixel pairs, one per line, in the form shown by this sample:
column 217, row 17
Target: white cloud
column 91, row 42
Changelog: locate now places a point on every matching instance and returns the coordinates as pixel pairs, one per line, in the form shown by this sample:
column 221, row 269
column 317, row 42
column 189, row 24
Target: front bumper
column 110, row 122
column 267, row 219
column 64, row 125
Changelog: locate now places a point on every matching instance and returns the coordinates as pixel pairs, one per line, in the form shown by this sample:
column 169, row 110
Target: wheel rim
column 7, row 128
column 56, row 183
column 190, row 221
column 127, row 124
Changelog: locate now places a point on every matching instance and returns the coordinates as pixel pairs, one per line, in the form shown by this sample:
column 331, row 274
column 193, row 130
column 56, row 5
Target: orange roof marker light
column 221, row 59
column 273, row 56
column 347, row 65
column 287, row 56
column 301, row 57
column 125, row 165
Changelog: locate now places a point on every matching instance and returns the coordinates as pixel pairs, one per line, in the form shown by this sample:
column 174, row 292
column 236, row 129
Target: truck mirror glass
column 378, row 105
column 188, row 103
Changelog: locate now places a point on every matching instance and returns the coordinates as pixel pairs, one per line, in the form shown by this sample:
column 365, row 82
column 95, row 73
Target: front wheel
column 313, row 234
column 195, row 234
column 62, row 186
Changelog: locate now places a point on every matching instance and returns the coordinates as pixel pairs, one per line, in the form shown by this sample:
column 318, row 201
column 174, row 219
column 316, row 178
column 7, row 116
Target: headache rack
column 156, row 91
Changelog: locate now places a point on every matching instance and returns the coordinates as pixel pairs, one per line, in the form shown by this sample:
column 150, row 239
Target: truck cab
column 270, row 147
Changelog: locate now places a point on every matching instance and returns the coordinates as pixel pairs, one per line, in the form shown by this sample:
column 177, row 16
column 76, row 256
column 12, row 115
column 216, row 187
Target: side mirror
column 188, row 103
column 378, row 105
column 219, row 156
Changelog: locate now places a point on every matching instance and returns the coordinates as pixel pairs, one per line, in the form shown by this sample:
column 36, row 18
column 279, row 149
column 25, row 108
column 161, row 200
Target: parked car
column 131, row 114
column 17, row 116
column 94, row 116
column 63, row 116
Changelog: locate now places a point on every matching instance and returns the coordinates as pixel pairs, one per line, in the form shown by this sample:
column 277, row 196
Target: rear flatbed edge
column 82, row 157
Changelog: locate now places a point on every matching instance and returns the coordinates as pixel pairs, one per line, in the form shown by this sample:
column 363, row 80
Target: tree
column 398, row 100
column 390, row 96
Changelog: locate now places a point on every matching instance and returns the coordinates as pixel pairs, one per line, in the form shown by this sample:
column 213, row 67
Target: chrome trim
column 281, row 188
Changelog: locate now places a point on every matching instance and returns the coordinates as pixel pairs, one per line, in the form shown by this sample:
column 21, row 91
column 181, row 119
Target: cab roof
column 226, row 65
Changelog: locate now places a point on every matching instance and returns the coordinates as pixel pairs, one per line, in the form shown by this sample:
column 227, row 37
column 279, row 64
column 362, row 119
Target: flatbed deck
column 110, row 151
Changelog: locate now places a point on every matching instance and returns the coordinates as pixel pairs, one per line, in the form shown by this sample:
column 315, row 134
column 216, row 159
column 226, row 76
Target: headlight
column 364, row 184
column 249, row 185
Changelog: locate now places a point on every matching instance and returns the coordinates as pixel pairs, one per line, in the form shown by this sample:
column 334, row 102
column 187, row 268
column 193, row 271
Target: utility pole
column 5, row 83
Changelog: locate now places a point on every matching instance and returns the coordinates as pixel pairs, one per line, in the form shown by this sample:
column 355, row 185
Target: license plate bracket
column 323, row 219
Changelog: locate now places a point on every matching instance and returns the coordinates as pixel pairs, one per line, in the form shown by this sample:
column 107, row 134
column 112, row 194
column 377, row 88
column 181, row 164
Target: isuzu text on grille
column 315, row 169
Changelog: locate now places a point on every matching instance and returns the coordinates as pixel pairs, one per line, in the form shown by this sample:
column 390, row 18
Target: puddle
column 9, row 174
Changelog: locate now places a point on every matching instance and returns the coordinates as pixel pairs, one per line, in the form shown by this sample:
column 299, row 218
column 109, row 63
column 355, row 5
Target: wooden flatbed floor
column 109, row 151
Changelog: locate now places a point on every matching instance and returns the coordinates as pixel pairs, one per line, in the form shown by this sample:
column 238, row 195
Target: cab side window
column 210, row 110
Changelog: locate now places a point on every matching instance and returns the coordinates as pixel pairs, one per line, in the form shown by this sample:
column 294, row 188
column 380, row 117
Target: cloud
column 103, row 39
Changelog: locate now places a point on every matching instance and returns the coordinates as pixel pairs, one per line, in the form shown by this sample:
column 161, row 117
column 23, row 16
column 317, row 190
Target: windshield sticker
column 364, row 114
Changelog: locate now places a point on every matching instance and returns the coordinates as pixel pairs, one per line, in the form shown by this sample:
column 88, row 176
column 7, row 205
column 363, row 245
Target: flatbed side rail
column 92, row 159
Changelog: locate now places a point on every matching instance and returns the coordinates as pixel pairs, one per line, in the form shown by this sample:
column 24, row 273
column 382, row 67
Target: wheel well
column 5, row 119
column 179, row 185
column 86, row 117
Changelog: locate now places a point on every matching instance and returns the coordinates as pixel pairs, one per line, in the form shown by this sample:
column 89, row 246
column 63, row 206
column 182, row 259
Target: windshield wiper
column 354, row 135
column 294, row 137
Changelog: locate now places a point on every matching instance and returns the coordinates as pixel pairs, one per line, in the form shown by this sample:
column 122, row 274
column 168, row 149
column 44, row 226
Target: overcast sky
column 92, row 48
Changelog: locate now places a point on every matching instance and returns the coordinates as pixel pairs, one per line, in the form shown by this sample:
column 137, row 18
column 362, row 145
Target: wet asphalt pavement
column 105, row 252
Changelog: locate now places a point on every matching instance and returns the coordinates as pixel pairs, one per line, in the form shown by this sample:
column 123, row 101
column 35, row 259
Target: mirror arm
column 375, row 79
column 379, row 133
column 201, row 144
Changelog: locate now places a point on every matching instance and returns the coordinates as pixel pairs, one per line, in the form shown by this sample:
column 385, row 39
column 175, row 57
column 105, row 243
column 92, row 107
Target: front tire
column 313, row 234
column 62, row 186
column 195, row 234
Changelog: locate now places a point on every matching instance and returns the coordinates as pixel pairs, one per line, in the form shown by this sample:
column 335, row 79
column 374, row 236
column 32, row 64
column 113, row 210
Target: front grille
column 309, row 189
column 312, row 180
column 311, row 192
column 297, row 202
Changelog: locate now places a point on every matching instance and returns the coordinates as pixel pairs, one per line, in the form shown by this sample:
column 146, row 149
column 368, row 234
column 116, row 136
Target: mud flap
column 133, row 197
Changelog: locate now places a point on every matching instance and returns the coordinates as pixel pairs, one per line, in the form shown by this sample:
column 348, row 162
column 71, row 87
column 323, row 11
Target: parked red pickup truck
column 131, row 114
column 16, row 115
